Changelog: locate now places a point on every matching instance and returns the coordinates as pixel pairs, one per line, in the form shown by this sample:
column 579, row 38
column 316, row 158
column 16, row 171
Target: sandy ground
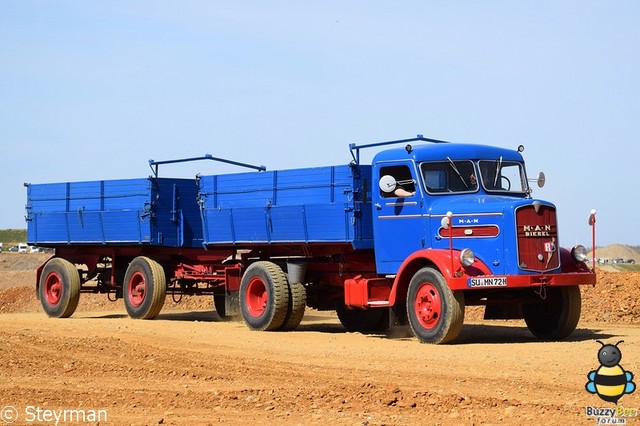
column 189, row 367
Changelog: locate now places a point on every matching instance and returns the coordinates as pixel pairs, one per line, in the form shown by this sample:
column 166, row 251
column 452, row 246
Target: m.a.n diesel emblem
column 536, row 230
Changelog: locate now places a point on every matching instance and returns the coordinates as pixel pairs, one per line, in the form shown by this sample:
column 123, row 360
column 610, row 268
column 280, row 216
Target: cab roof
column 440, row 152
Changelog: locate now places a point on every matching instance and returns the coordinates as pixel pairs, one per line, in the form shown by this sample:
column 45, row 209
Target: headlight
column 467, row 257
column 579, row 253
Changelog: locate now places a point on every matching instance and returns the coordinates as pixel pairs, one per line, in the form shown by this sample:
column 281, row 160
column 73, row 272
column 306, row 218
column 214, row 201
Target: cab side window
column 405, row 185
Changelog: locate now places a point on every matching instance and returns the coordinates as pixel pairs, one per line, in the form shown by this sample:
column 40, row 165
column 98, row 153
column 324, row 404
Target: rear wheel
column 59, row 288
column 219, row 303
column 363, row 320
column 297, row 305
column 556, row 316
column 435, row 313
column 264, row 296
column 145, row 288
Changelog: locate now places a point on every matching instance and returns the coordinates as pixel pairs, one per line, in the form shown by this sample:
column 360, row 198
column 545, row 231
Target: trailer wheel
column 297, row 305
column 435, row 313
column 264, row 296
column 145, row 288
column 556, row 316
column 363, row 320
column 219, row 303
column 59, row 288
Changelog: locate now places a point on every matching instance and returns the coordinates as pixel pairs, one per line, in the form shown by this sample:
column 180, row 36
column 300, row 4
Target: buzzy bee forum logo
column 610, row 382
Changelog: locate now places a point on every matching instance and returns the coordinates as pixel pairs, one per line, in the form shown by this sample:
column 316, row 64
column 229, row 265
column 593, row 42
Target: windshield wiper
column 455, row 169
column 498, row 168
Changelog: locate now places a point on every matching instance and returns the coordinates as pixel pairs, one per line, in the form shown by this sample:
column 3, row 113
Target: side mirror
column 541, row 179
column 445, row 222
column 387, row 184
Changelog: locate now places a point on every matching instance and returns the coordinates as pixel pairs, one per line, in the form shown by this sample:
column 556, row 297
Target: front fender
column 569, row 264
column 436, row 258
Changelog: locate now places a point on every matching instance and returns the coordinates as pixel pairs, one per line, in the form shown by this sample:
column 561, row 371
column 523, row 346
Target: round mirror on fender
column 541, row 179
column 445, row 222
column 387, row 184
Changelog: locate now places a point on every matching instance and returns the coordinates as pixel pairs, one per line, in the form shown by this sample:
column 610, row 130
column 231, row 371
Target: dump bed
column 322, row 204
column 154, row 211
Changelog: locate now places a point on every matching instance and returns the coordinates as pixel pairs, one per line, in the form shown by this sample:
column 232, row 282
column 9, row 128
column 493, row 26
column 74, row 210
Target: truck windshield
column 445, row 177
column 502, row 176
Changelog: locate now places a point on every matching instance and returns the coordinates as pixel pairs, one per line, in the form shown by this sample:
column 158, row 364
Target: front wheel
column 145, row 288
column 556, row 316
column 59, row 288
column 435, row 313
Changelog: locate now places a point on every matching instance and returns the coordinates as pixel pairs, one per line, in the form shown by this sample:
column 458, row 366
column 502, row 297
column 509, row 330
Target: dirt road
column 189, row 367
column 192, row 368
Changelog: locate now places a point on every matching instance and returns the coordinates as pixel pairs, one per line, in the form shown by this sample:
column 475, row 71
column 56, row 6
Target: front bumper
column 521, row 281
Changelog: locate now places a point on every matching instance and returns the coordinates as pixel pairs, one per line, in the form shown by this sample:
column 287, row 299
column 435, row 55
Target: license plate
column 487, row 282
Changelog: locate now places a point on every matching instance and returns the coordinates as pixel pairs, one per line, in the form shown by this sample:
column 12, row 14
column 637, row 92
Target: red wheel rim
column 53, row 288
column 136, row 289
column 256, row 298
column 428, row 306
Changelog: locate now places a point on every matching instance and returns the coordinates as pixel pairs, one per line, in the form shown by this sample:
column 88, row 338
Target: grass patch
column 13, row 235
column 627, row 267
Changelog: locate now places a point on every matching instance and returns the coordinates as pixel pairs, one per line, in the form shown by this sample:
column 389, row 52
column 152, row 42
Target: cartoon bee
column 610, row 381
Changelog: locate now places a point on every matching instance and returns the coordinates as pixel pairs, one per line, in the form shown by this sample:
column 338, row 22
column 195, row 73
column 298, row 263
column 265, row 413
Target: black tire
column 363, row 320
column 435, row 313
column 219, row 303
column 555, row 317
column 297, row 305
column 264, row 296
column 59, row 288
column 145, row 288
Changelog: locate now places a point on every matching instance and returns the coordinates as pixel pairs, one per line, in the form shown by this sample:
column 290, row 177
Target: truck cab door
column 398, row 216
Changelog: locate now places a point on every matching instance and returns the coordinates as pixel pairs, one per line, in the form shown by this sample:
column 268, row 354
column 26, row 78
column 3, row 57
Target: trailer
column 411, row 238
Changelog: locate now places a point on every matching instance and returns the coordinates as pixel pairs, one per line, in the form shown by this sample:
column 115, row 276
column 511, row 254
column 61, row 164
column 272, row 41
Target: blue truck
column 412, row 238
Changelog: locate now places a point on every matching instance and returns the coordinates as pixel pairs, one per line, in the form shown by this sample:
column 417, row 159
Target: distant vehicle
column 33, row 249
column 23, row 248
column 0, row 247
column 13, row 249
column 630, row 261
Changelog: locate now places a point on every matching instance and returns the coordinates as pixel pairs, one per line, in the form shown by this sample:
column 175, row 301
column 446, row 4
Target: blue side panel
column 324, row 204
column 328, row 223
column 250, row 224
column 88, row 212
column 286, row 222
column 130, row 211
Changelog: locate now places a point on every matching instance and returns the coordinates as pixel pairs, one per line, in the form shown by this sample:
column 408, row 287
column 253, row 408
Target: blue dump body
column 322, row 204
column 154, row 211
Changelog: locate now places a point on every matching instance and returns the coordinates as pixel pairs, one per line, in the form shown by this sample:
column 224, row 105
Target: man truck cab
column 456, row 225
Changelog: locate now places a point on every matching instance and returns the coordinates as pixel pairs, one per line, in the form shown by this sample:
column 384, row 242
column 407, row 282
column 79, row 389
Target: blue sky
column 93, row 90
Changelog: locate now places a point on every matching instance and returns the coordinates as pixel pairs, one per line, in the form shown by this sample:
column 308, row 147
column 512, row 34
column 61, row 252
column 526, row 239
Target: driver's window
column 405, row 185
column 506, row 176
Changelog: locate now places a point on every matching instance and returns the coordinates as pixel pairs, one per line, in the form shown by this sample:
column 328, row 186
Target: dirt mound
column 615, row 298
column 617, row 251
column 22, row 261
